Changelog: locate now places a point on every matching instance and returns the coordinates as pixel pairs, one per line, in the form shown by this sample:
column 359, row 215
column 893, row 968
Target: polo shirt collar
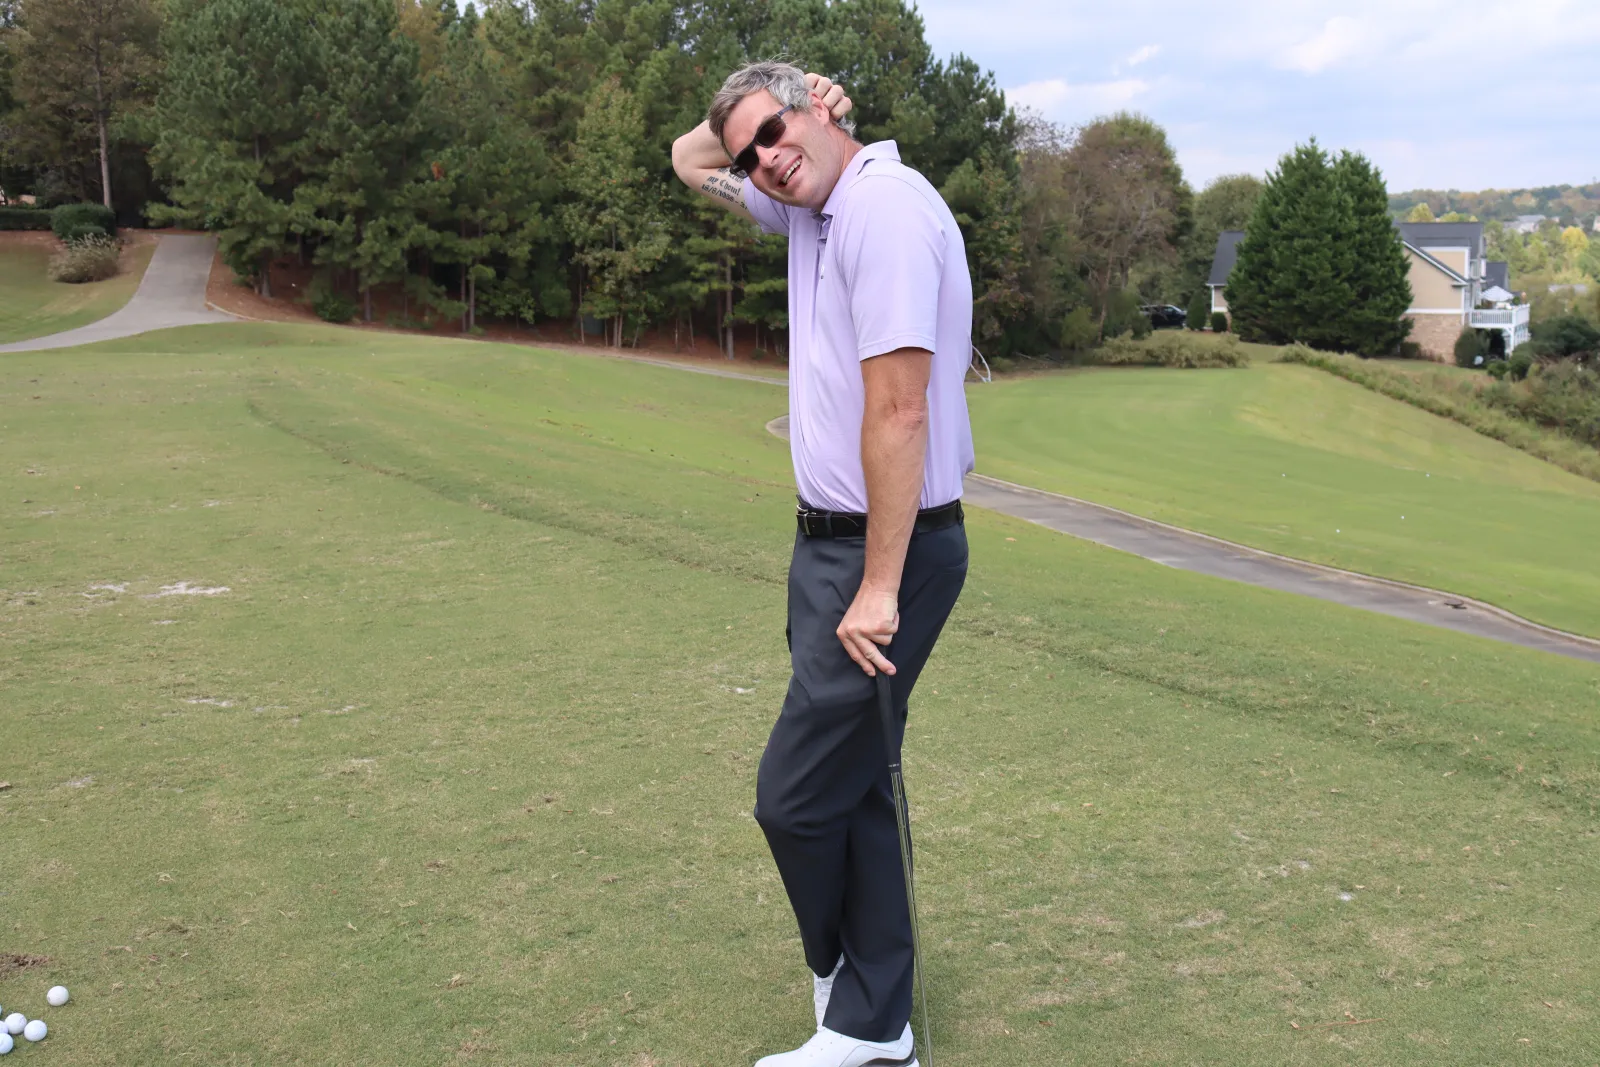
column 875, row 150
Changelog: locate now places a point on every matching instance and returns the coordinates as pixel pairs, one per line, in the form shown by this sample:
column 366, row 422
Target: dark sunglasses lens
column 770, row 132
column 745, row 162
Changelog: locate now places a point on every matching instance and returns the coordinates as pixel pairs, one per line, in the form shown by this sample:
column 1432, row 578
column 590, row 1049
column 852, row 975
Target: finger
column 842, row 108
column 850, row 650
column 812, row 80
column 831, row 95
column 877, row 659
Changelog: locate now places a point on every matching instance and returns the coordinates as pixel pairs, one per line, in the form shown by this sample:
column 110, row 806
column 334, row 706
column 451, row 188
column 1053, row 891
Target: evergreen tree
column 80, row 65
column 365, row 146
column 229, row 124
column 1285, row 286
column 982, row 196
column 1378, row 278
column 614, row 216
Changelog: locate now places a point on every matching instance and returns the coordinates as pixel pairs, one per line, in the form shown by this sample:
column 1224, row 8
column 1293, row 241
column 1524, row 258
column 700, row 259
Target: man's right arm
column 702, row 165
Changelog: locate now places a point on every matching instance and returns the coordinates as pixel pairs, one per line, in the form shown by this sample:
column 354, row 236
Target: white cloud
column 1055, row 98
column 1149, row 51
column 1341, row 38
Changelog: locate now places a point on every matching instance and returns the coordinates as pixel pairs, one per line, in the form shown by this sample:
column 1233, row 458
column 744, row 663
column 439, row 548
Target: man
column 880, row 334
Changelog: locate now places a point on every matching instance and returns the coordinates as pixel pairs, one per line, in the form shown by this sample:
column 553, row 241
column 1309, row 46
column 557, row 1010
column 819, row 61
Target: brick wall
column 1437, row 335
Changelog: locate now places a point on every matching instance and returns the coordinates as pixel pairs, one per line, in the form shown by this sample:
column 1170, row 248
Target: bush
column 1518, row 365
column 1124, row 317
column 1199, row 312
column 1469, row 348
column 331, row 306
column 79, row 231
column 1410, row 350
column 1219, row 322
column 1174, row 349
column 85, row 259
column 1497, row 369
column 1078, row 330
column 75, row 220
column 24, row 218
column 1569, row 336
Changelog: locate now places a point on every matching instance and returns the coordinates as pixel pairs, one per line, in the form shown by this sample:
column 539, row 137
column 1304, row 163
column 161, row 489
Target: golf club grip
column 886, row 713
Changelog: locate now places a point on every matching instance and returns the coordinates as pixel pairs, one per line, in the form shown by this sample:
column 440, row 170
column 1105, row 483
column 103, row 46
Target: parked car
column 1163, row 315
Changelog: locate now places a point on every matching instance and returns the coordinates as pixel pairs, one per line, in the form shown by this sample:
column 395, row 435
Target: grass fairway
column 31, row 305
column 1299, row 462
column 458, row 769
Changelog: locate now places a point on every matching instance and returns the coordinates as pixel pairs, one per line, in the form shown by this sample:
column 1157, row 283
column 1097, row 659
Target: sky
column 1440, row 94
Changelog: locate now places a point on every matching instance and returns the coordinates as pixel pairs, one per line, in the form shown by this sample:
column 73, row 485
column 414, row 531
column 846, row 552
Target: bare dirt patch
column 11, row 962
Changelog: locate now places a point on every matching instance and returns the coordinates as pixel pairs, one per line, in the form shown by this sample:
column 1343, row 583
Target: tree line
column 514, row 162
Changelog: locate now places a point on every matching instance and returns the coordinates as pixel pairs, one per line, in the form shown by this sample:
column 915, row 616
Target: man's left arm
column 894, row 440
column 893, row 256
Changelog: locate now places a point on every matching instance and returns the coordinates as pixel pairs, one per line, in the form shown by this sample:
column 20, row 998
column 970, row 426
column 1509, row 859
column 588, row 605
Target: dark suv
column 1161, row 315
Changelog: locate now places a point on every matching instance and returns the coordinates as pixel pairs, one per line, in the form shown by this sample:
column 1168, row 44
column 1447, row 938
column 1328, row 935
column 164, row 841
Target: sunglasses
column 767, row 135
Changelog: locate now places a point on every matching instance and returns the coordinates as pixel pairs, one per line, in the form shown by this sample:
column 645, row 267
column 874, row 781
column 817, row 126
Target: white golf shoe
column 828, row 1048
column 822, row 989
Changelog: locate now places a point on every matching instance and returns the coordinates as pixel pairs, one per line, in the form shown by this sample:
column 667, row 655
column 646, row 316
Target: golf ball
column 35, row 1030
column 57, row 996
column 5, row 1042
column 15, row 1022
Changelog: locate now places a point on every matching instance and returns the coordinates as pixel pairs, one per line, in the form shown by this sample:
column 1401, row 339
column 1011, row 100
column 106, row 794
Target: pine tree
column 1372, row 323
column 229, row 125
column 1285, row 286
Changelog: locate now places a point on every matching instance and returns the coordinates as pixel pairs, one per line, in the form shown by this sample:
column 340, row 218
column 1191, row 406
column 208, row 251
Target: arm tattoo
column 724, row 186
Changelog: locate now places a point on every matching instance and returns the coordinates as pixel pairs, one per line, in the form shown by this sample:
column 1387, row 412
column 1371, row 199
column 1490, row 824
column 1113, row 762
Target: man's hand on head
column 831, row 95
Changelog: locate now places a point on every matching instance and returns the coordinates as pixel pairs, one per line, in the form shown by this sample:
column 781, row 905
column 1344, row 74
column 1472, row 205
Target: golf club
column 903, row 823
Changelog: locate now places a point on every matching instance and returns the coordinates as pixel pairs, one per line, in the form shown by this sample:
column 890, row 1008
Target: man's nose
column 768, row 156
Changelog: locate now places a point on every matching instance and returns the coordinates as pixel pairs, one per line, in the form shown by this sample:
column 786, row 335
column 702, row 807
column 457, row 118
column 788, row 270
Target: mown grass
column 459, row 769
column 31, row 305
column 1295, row 461
column 1453, row 393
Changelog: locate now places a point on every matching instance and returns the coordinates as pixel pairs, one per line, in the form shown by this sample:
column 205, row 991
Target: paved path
column 172, row 293
column 1190, row 551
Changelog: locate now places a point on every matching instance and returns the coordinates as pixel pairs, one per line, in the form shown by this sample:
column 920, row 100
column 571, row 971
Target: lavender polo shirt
column 881, row 267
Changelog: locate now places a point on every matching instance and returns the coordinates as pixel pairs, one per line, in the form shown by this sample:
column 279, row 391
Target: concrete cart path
column 1189, row 551
column 171, row 293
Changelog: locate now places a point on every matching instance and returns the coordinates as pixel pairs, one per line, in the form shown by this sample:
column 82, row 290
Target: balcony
column 1499, row 318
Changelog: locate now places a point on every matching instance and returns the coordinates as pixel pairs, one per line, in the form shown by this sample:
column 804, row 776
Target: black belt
column 814, row 522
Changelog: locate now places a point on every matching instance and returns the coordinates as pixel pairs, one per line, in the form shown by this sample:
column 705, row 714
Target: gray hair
column 785, row 81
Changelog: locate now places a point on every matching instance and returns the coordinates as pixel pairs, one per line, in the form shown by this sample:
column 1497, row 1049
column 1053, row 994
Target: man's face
column 804, row 166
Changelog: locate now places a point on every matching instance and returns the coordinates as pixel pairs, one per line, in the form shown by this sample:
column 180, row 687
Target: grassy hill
column 31, row 305
column 379, row 699
column 1299, row 462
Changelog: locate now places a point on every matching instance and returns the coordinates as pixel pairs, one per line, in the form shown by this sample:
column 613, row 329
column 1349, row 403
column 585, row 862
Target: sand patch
column 213, row 701
column 187, row 589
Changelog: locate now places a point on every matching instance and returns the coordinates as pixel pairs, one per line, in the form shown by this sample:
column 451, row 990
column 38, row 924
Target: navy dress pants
column 822, row 794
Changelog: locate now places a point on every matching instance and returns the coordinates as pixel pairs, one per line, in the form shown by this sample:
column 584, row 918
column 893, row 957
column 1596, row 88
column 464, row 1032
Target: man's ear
column 819, row 110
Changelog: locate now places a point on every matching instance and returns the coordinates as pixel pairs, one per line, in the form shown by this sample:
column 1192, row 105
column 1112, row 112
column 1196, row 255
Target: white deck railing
column 1517, row 315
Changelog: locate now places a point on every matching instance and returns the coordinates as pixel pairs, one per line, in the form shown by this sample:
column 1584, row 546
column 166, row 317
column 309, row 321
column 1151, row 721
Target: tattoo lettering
column 724, row 186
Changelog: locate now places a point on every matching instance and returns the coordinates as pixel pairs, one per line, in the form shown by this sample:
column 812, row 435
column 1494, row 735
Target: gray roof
column 1443, row 235
column 1497, row 273
column 1226, row 255
column 1419, row 235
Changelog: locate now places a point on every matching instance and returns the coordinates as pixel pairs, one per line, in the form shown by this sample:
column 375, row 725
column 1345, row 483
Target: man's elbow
column 906, row 412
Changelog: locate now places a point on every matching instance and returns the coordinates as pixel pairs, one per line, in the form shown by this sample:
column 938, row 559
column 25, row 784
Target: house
column 1527, row 223
column 1452, row 285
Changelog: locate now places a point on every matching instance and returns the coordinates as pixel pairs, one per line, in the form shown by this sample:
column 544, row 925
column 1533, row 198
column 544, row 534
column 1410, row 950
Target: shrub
column 331, row 306
column 1199, row 312
column 78, row 231
column 1410, row 350
column 1518, row 365
column 24, row 218
column 1174, row 349
column 73, row 220
column 1219, row 322
column 1497, row 369
column 1569, row 336
column 1468, row 348
column 1123, row 316
column 85, row 259
column 1078, row 330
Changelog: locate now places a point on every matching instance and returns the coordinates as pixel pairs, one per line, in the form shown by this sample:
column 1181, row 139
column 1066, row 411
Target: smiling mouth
column 784, row 179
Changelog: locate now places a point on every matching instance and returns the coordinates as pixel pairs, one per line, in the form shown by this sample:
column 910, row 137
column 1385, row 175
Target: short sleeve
column 770, row 215
column 892, row 252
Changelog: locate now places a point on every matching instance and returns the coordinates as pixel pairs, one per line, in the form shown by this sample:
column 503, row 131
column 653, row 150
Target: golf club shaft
column 902, row 814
